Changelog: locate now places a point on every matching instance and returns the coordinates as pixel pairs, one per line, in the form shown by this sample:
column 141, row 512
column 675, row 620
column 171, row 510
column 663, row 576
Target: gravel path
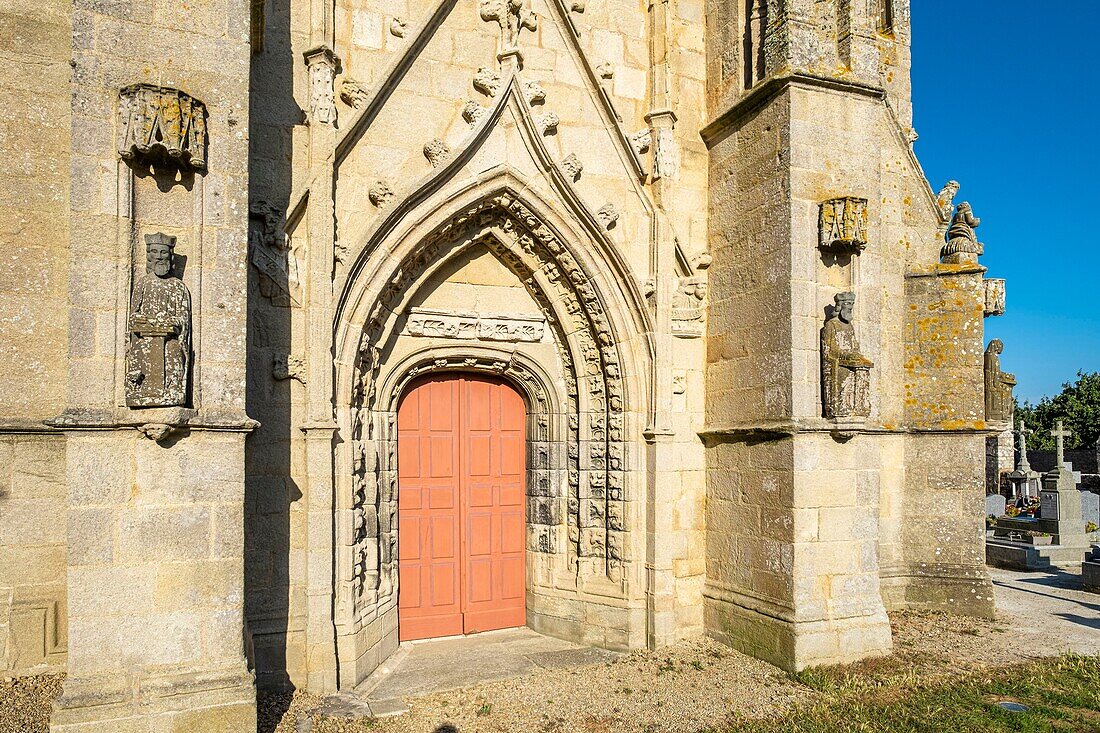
column 690, row 687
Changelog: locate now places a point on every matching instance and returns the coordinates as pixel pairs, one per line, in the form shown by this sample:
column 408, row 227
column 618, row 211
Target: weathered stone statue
column 845, row 373
column 998, row 385
column 962, row 245
column 159, row 354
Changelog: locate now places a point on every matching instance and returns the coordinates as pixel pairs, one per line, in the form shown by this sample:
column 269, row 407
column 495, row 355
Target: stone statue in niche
column 845, row 372
column 962, row 246
column 998, row 385
column 158, row 358
column 160, row 125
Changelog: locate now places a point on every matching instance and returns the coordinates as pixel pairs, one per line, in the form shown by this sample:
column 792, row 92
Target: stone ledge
column 766, row 430
column 943, row 270
column 80, row 420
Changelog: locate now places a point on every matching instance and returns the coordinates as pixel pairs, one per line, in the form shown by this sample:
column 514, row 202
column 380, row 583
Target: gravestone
column 1060, row 501
column 995, row 505
column 1090, row 508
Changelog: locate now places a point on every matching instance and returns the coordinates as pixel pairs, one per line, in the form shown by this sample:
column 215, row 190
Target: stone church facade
column 690, row 237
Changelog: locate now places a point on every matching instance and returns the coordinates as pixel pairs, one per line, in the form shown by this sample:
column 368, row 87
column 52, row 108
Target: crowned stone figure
column 159, row 354
column 845, row 372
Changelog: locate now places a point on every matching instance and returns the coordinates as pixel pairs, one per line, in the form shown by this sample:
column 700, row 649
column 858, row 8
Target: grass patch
column 1063, row 695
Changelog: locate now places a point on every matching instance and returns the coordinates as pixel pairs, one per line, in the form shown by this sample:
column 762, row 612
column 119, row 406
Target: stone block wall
column 33, row 553
column 34, row 332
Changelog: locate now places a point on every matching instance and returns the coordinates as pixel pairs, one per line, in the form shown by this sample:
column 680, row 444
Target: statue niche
column 158, row 357
column 998, row 385
column 845, row 372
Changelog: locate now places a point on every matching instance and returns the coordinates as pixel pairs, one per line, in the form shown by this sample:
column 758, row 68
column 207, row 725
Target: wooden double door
column 461, row 507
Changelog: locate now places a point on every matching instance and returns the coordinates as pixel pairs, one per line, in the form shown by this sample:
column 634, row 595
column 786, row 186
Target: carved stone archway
column 581, row 506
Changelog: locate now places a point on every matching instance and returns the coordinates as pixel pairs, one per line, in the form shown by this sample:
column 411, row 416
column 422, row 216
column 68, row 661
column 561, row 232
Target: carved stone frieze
column 842, row 225
column 161, row 126
column 437, row 152
column 158, row 357
column 447, row 324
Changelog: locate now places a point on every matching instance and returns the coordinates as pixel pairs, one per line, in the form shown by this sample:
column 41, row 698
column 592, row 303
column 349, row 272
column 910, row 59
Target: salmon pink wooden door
column 461, row 479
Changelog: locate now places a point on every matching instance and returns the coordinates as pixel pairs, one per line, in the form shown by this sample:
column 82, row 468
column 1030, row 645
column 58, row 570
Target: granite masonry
column 692, row 234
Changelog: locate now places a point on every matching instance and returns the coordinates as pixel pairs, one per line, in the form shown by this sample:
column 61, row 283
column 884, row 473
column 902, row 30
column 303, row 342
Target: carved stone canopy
column 161, row 126
column 842, row 225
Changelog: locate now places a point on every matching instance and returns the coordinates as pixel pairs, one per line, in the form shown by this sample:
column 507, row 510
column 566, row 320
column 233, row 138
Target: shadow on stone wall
column 270, row 491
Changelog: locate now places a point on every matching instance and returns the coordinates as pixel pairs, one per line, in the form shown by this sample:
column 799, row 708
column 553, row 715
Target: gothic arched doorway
column 461, row 455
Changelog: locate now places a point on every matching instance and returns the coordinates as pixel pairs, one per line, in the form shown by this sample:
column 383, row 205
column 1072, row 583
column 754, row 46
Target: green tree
column 1078, row 406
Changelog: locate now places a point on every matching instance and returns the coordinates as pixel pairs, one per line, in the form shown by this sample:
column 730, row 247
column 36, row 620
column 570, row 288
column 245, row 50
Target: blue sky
column 1006, row 102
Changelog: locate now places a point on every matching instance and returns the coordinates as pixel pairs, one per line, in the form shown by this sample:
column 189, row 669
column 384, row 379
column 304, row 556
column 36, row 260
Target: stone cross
column 1023, row 464
column 1060, row 434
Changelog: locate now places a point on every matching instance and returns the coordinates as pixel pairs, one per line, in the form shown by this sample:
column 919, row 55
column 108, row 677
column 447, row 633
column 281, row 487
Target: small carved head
column 159, row 254
column 845, row 306
column 996, row 346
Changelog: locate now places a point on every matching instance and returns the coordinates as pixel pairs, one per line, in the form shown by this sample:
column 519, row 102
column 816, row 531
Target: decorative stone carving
column 666, row 152
column 962, row 245
column 995, row 296
column 161, row 126
column 270, row 253
column 487, row 82
column 437, row 152
column 687, row 307
column 605, row 71
column 641, row 141
column 945, row 199
column 845, row 372
column 322, row 63
column 547, row 123
column 288, row 366
column 998, row 385
column 704, row 260
column 446, row 324
column 535, row 93
column 398, row 27
column 512, row 17
column 156, row 431
column 608, row 215
column 842, row 225
column 158, row 358
column 380, row 193
column 473, row 112
column 572, row 166
column 352, row 93
column 577, row 6
column 679, row 382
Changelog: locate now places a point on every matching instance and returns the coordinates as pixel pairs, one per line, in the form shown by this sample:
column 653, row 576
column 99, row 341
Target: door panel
column 461, row 469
